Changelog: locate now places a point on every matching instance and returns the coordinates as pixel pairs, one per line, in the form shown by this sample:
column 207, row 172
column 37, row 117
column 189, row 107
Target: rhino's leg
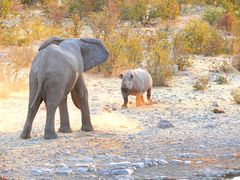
column 142, row 100
column 139, row 99
column 149, row 91
column 32, row 111
column 64, row 117
column 125, row 98
column 82, row 92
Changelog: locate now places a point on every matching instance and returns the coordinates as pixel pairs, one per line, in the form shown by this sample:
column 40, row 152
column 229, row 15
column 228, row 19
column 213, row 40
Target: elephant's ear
column 93, row 52
column 52, row 40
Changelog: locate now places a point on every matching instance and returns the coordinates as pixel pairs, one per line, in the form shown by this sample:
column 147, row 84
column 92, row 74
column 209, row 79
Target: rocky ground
column 178, row 136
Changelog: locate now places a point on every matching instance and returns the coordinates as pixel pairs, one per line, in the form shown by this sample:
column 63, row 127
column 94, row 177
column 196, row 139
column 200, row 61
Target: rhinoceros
column 136, row 82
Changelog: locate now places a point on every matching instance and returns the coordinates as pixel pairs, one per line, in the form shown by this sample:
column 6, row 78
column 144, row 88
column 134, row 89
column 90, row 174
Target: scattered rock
column 63, row 171
column 187, row 155
column 122, row 171
column 164, row 124
column 217, row 111
column 104, row 171
column 198, row 162
column 187, row 162
column 162, row 162
column 81, row 170
column 138, row 165
column 41, row 171
column 120, row 164
column 122, row 177
column 176, row 162
column 215, row 104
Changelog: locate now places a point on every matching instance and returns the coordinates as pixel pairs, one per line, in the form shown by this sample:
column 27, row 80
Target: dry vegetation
column 130, row 29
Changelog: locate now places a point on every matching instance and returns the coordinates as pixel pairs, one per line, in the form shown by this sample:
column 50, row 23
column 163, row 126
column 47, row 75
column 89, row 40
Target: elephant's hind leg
column 26, row 133
column 64, row 117
column 32, row 111
column 54, row 96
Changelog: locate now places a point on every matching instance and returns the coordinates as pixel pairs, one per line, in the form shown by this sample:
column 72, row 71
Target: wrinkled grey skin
column 56, row 71
column 136, row 82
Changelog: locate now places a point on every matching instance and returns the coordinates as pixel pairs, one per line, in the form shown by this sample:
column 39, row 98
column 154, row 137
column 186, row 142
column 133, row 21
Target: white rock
column 41, row 171
column 162, row 161
column 138, row 165
column 63, row 171
column 122, row 171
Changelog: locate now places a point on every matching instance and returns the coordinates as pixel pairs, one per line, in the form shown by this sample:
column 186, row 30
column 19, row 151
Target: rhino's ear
column 93, row 52
column 52, row 40
column 120, row 76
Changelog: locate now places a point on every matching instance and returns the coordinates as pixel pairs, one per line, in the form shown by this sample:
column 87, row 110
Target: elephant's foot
column 50, row 135
column 87, row 128
column 25, row 135
column 65, row 130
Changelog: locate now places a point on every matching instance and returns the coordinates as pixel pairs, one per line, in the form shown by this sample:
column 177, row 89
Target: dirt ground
column 201, row 140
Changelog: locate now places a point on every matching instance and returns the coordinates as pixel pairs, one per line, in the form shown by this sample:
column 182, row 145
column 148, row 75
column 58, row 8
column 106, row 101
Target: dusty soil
column 200, row 138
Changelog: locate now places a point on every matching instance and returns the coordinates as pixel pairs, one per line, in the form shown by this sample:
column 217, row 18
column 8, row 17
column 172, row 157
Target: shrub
column 4, row 7
column 182, row 62
column 25, row 32
column 236, row 62
column 144, row 11
column 125, row 52
column 226, row 22
column 201, row 83
column 236, row 94
column 104, row 22
column 160, row 64
column 222, row 79
column 212, row 14
column 198, row 37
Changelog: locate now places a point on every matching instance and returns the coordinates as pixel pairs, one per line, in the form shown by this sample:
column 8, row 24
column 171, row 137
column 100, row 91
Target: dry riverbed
column 179, row 136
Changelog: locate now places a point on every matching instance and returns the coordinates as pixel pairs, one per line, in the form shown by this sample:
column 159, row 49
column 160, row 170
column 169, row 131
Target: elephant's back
column 55, row 59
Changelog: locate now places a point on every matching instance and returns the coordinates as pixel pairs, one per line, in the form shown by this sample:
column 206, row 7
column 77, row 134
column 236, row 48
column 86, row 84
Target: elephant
column 56, row 71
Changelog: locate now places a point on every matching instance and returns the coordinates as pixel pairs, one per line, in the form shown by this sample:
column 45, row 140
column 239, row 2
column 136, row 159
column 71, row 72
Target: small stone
column 101, row 156
column 187, row 155
column 124, row 177
column 120, row 164
column 81, row 170
column 176, row 162
column 63, row 171
column 162, row 162
column 218, row 111
column 198, row 162
column 187, row 162
column 122, row 171
column 164, row 124
column 41, row 171
column 104, row 172
column 215, row 104
column 87, row 159
column 138, row 165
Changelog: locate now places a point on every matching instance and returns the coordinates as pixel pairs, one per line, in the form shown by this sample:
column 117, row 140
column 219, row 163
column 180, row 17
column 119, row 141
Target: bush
column 201, row 83
column 125, row 52
column 198, row 37
column 212, row 14
column 226, row 22
column 160, row 64
column 222, row 79
column 144, row 11
column 26, row 31
column 4, row 8
column 236, row 94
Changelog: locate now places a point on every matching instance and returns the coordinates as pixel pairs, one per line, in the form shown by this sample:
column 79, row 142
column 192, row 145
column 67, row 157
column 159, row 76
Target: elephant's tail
column 40, row 82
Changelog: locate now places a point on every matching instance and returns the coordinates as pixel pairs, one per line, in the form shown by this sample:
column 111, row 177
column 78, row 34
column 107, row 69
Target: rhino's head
column 127, row 80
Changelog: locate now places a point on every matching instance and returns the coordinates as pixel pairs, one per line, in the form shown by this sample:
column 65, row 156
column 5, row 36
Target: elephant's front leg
column 64, row 117
column 83, row 97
